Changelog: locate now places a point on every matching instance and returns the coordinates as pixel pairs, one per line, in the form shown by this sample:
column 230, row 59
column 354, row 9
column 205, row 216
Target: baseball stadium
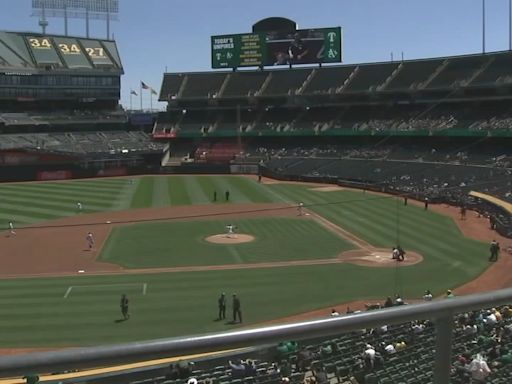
column 284, row 218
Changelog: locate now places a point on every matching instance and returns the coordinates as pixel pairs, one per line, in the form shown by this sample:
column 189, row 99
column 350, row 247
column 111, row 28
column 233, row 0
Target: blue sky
column 155, row 34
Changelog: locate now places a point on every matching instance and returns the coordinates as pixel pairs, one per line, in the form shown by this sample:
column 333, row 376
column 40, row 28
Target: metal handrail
column 440, row 311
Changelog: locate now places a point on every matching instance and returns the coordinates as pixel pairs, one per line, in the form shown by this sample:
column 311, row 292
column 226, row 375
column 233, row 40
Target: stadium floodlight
column 76, row 9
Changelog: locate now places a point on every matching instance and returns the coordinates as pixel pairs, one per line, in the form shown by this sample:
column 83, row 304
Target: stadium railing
column 441, row 312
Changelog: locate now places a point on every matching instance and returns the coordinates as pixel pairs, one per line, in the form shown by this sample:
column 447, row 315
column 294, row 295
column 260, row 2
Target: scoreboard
column 304, row 46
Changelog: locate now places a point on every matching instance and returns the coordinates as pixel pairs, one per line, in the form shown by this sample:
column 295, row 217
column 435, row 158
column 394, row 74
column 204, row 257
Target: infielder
column 11, row 228
column 90, row 240
column 300, row 209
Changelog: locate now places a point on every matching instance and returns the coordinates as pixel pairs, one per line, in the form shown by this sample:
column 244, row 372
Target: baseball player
column 300, row 209
column 11, row 228
column 231, row 231
column 90, row 240
column 79, row 206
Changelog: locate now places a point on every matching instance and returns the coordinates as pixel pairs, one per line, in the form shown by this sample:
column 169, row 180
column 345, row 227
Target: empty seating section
column 495, row 69
column 458, row 71
column 412, row 74
column 498, row 71
column 286, row 81
column 171, row 85
column 203, row 85
column 370, row 76
column 222, row 152
column 328, row 79
column 242, row 84
column 108, row 142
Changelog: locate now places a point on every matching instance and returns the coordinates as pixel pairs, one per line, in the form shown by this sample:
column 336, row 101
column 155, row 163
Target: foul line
column 70, row 288
column 341, row 232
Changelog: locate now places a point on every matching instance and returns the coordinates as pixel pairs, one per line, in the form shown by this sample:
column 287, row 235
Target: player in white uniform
column 231, row 231
column 79, row 206
column 90, row 240
column 300, row 209
column 11, row 228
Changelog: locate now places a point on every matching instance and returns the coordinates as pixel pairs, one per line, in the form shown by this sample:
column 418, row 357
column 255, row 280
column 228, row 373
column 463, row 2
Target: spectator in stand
column 369, row 356
column 237, row 369
column 479, row 369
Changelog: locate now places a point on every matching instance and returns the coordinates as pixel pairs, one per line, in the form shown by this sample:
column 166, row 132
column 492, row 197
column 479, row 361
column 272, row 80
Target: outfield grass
column 185, row 303
column 28, row 203
column 181, row 243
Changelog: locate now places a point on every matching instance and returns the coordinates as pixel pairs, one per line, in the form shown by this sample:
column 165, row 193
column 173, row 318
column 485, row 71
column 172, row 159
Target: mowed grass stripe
column 57, row 198
column 195, row 191
column 143, row 193
column 54, row 205
column 177, row 191
column 161, row 196
column 63, row 187
column 65, row 193
column 237, row 194
column 211, row 184
column 251, row 190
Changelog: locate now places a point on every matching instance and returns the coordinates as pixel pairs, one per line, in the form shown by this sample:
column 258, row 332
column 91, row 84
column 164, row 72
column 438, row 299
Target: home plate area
column 379, row 258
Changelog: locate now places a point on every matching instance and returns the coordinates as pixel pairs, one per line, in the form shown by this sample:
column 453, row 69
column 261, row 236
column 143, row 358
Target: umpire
column 237, row 312
column 495, row 250
column 222, row 306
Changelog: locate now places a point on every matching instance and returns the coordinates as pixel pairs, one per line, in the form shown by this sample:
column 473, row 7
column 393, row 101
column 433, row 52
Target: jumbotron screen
column 304, row 46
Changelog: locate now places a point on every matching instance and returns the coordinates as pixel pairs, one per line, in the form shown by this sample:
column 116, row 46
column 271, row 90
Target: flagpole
column 151, row 99
column 131, row 99
column 141, row 97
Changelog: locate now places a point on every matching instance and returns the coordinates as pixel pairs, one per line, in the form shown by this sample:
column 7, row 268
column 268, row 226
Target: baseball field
column 162, row 241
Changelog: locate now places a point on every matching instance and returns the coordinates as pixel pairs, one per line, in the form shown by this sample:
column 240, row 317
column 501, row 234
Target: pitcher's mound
column 239, row 238
column 379, row 258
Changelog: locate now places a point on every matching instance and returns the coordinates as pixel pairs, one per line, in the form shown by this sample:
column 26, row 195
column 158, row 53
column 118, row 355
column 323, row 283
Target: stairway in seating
column 348, row 80
column 182, row 87
column 478, row 71
column 434, row 75
column 390, row 77
column 264, row 86
column 224, row 85
column 306, row 82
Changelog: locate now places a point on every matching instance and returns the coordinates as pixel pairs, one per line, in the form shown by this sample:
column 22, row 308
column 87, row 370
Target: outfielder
column 79, row 206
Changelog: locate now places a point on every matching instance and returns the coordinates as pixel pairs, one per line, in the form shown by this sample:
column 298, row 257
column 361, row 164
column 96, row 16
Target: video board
column 303, row 46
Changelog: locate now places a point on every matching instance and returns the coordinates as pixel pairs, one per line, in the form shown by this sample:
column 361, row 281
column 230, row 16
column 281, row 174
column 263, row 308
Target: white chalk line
column 70, row 288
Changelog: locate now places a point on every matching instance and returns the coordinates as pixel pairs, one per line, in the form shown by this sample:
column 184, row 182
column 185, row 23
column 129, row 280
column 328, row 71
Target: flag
column 153, row 92
column 132, row 92
column 143, row 85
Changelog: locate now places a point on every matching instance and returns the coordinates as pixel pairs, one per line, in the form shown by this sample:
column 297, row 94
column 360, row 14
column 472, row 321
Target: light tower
column 107, row 10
